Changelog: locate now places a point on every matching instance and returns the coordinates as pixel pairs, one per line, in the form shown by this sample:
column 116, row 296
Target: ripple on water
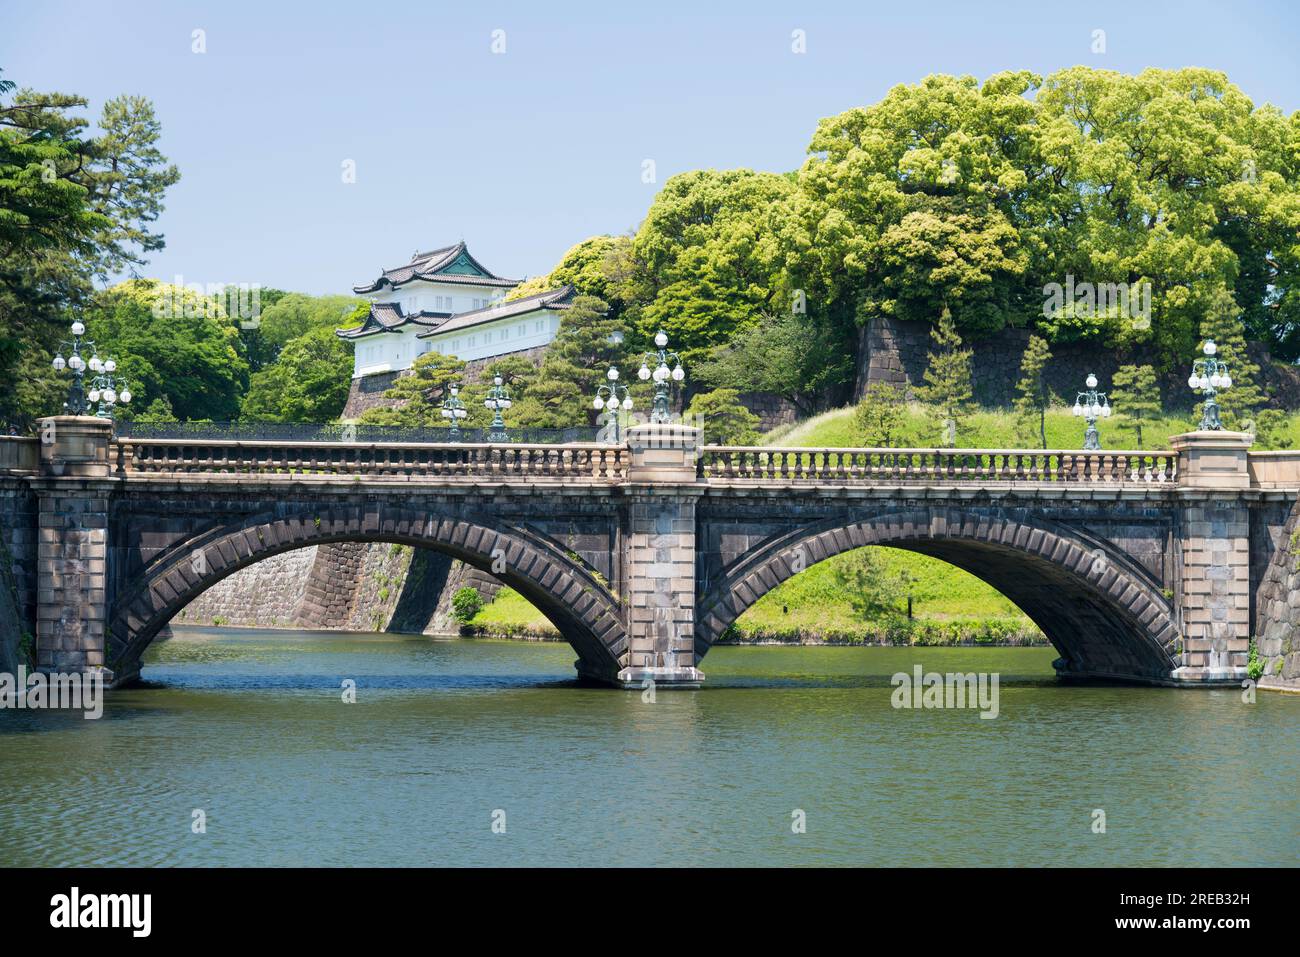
column 250, row 728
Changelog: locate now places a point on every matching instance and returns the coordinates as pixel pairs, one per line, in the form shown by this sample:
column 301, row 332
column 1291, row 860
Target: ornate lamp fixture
column 1210, row 377
column 607, row 398
column 453, row 410
column 498, row 400
column 105, row 389
column 661, row 375
column 76, row 401
column 1092, row 405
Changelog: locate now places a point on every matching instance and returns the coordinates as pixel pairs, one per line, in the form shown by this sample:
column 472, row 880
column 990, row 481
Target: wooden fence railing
column 849, row 466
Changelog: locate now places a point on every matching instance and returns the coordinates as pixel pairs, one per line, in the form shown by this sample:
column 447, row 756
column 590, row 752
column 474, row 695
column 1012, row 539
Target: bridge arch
column 1103, row 612
column 576, row 601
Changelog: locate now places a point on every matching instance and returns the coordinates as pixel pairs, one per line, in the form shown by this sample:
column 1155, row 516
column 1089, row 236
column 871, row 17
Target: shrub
column 466, row 603
column 1254, row 663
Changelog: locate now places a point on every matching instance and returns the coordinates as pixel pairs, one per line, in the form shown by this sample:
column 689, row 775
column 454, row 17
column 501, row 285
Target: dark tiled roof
column 429, row 265
column 561, row 298
column 388, row 316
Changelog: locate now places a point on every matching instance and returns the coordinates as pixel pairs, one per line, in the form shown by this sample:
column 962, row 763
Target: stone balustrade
column 945, row 466
column 578, row 461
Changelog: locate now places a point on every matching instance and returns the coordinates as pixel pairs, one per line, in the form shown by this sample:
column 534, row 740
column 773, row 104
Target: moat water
column 250, row 728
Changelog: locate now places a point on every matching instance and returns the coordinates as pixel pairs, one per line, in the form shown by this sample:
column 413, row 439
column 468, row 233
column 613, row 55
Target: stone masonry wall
column 265, row 595
column 772, row 410
column 893, row 351
column 1277, row 640
column 1216, row 584
column 350, row 586
column 17, row 572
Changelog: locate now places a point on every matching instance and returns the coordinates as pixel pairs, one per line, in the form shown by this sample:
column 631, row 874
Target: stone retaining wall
column 890, row 350
column 345, row 586
column 1277, row 641
column 268, row 594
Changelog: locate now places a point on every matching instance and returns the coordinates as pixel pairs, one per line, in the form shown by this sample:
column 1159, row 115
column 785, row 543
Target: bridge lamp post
column 453, row 410
column 607, row 397
column 1210, row 377
column 76, row 403
column 105, row 389
column 661, row 375
column 498, row 400
column 1091, row 405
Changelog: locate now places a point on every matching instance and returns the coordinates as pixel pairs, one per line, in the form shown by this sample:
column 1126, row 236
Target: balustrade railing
column 944, row 466
column 585, row 461
column 609, row 463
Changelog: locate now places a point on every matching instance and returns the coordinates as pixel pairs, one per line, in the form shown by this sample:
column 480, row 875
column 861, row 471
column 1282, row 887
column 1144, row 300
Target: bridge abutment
column 1213, row 472
column 73, row 490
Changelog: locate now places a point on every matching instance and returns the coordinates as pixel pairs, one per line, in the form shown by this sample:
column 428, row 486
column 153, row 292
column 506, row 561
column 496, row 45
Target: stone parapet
column 1213, row 461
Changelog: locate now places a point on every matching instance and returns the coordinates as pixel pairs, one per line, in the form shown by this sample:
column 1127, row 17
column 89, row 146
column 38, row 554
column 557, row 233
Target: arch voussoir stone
column 580, row 605
column 1105, row 618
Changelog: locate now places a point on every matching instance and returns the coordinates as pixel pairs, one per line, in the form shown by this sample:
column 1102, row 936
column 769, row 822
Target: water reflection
column 251, row 728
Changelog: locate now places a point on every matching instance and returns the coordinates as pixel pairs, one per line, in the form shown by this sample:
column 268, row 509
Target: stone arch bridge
column 1138, row 566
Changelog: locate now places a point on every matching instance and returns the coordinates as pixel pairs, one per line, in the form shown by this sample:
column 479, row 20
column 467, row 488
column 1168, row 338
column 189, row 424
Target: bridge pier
column 73, row 489
column 659, row 555
column 1213, row 479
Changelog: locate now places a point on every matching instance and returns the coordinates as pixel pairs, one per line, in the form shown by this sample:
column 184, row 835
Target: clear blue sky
column 525, row 153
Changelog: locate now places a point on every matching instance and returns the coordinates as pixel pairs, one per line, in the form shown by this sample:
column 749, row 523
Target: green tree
column 979, row 196
column 1243, row 405
column 1032, row 393
column 190, row 357
column 794, row 356
column 560, row 393
column 308, row 382
column 875, row 594
column 75, row 206
column 723, row 418
column 708, row 258
column 294, row 314
column 947, row 386
column 881, row 416
column 600, row 266
column 466, row 603
column 421, row 393
column 1135, row 395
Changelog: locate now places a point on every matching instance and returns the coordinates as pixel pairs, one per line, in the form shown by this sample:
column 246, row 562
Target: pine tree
column 574, row 366
column 881, row 416
column 947, row 381
column 1243, row 405
column 1135, row 396
column 1032, row 393
column 723, row 418
column 421, row 393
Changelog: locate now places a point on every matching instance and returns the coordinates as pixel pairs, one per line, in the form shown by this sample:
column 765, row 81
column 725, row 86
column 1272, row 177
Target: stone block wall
column 661, row 555
column 1216, row 584
column 1277, row 638
column 367, row 392
column 265, row 595
column 772, row 410
column 347, row 586
column 17, row 572
column 72, row 559
column 890, row 350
